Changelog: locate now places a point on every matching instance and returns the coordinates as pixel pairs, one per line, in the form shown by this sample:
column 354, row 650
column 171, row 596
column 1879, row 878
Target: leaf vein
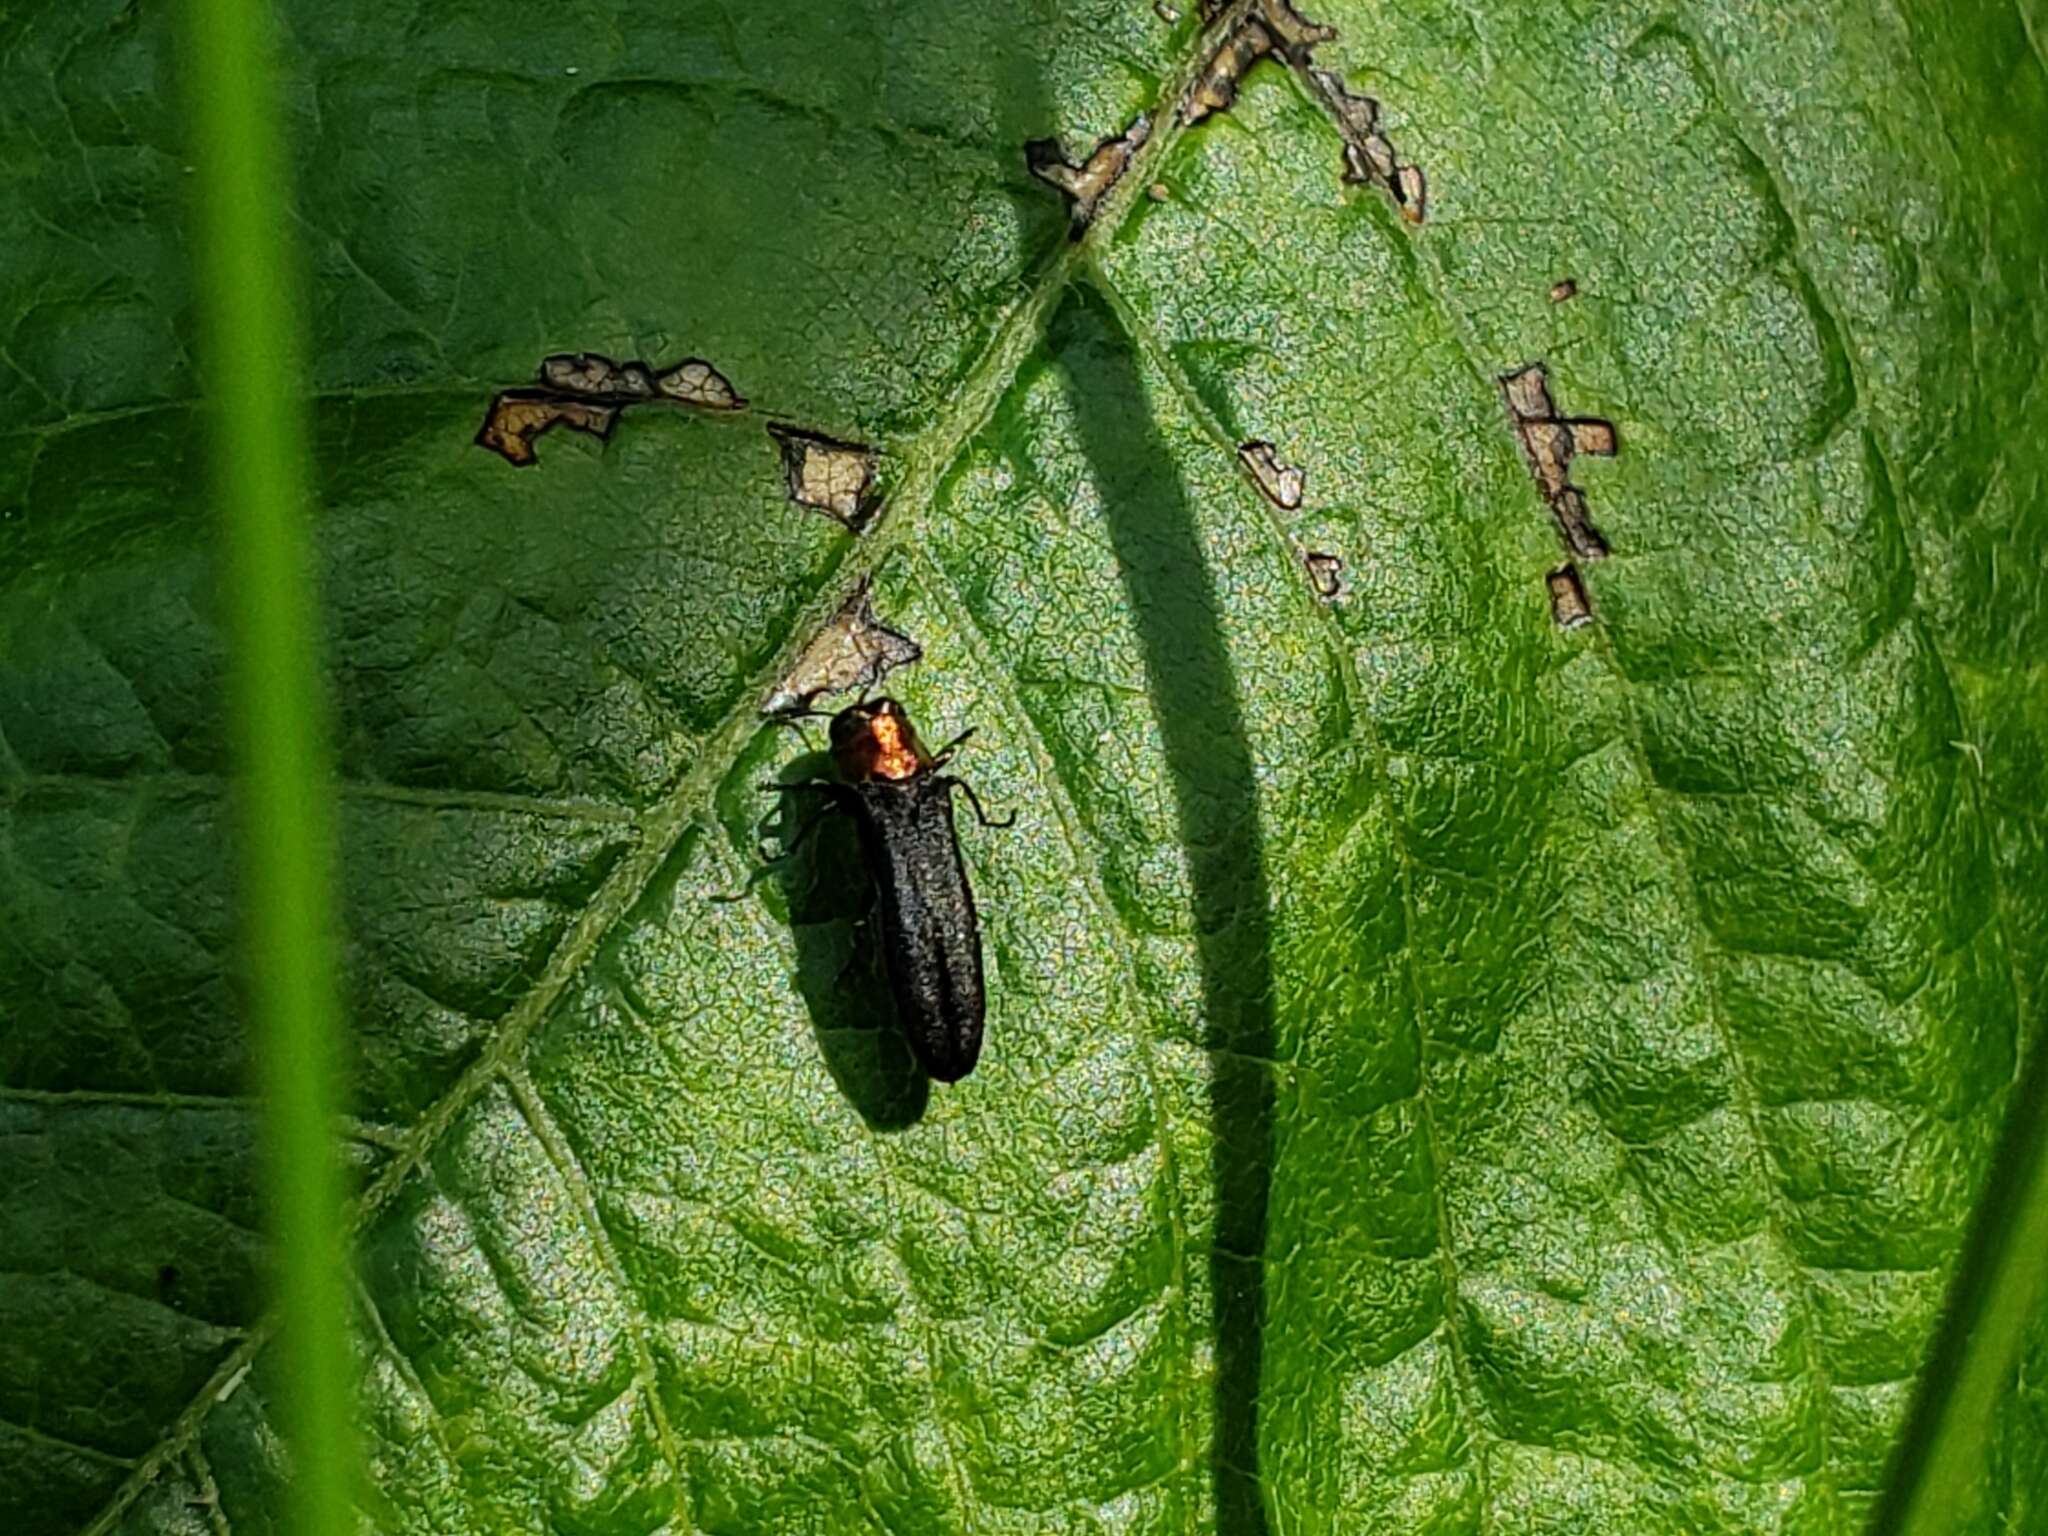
column 1066, row 817
column 583, row 1200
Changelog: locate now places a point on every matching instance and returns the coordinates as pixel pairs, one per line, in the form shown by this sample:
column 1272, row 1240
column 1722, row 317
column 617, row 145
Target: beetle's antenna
column 946, row 752
column 793, row 720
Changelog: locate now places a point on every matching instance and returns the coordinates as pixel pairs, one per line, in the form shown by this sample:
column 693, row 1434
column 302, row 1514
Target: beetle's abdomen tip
column 950, row 1066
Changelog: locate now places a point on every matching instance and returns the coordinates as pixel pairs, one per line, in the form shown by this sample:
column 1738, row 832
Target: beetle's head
column 876, row 740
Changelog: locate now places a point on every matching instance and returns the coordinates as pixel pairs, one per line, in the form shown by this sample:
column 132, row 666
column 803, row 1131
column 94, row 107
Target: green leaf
column 1446, row 1071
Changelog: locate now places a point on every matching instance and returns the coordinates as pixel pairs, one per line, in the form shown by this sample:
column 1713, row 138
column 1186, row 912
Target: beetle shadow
column 1197, row 701
column 1172, row 594
column 830, row 901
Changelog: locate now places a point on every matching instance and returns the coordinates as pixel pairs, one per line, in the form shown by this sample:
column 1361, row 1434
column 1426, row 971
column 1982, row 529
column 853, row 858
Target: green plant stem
column 258, row 429
column 1938, row 1475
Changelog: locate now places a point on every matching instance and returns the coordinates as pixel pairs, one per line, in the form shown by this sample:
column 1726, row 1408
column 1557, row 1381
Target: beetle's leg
column 831, row 790
column 727, row 897
column 770, row 860
column 980, row 813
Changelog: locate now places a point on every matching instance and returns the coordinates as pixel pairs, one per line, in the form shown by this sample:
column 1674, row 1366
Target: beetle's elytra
column 931, row 935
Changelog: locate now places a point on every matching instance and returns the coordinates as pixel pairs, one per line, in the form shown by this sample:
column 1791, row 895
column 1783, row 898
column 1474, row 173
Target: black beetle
column 931, row 935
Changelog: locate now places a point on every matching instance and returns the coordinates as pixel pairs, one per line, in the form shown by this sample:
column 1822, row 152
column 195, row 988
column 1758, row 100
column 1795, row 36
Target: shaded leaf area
column 585, row 181
column 1444, row 1073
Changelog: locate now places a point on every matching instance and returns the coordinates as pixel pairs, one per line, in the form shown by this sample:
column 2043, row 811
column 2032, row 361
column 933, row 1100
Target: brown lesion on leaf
column 585, row 391
column 1215, row 88
column 691, row 382
column 1411, row 193
column 1549, row 443
column 518, row 416
column 1282, row 484
column 1271, row 27
column 1325, row 573
column 828, row 475
column 1294, row 32
column 1370, row 158
column 854, row 650
column 1569, row 607
column 1285, row 486
column 1088, row 183
column 1277, row 28
column 1563, row 289
column 695, row 382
